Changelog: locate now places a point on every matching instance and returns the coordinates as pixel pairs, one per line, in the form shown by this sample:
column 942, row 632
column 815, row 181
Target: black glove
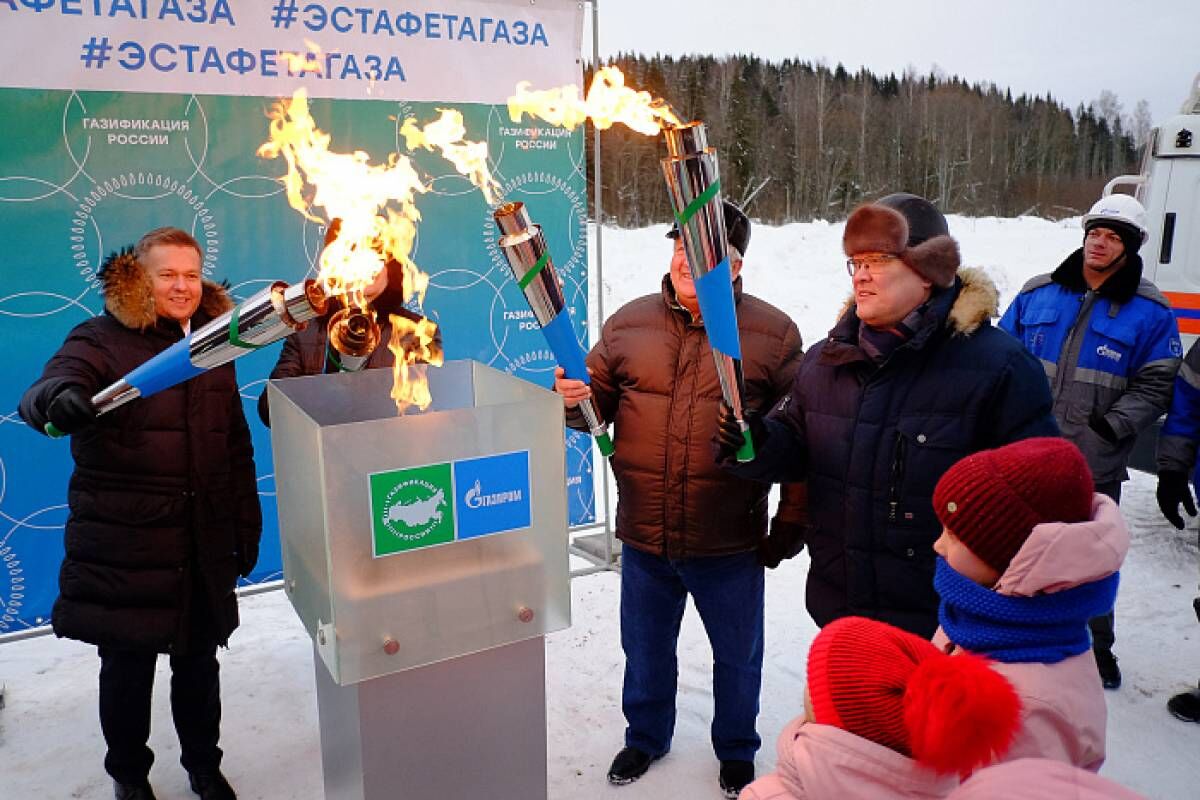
column 1101, row 428
column 785, row 540
column 71, row 411
column 729, row 438
column 1172, row 490
column 247, row 557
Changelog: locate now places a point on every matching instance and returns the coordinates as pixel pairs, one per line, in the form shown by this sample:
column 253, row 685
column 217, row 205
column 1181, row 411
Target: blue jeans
column 728, row 593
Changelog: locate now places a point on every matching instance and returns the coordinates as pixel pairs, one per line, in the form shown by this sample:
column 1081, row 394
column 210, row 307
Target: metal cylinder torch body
column 694, row 184
column 262, row 319
column 528, row 257
column 353, row 336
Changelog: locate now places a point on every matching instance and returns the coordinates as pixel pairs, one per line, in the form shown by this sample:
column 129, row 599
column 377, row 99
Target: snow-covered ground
column 50, row 745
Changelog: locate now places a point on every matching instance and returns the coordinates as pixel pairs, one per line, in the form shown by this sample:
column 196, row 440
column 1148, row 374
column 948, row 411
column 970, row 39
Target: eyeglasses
column 874, row 263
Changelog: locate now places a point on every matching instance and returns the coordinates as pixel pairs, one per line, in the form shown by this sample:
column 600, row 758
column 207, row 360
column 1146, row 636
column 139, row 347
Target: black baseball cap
column 737, row 227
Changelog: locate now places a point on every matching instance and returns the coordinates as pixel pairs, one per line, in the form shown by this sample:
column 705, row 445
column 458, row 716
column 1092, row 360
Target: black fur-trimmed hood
column 129, row 297
column 1120, row 287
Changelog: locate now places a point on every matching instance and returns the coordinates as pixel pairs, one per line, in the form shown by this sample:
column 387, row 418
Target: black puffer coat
column 163, row 500
column 872, row 441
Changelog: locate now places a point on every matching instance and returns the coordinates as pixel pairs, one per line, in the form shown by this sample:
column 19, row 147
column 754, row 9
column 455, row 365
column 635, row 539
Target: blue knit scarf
column 1045, row 629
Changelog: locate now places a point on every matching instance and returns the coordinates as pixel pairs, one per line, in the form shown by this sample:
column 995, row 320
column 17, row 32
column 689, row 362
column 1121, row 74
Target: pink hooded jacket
column 1040, row 779
column 819, row 762
column 1063, row 713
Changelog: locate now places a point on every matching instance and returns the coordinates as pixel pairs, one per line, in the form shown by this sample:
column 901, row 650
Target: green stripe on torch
column 746, row 451
column 700, row 202
column 528, row 277
column 234, row 335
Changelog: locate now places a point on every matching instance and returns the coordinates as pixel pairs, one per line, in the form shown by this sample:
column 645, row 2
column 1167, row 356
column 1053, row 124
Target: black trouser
column 1103, row 626
column 126, row 681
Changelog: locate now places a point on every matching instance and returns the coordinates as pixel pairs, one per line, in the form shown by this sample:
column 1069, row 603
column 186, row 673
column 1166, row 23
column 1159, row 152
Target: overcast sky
column 1073, row 50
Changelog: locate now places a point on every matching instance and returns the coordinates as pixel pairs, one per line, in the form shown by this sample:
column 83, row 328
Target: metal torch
column 694, row 184
column 528, row 257
column 353, row 336
column 262, row 319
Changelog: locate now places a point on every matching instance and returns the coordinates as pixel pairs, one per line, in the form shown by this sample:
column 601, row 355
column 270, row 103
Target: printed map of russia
column 419, row 512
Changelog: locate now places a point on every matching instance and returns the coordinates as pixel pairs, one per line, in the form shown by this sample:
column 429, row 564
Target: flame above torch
column 373, row 217
column 608, row 101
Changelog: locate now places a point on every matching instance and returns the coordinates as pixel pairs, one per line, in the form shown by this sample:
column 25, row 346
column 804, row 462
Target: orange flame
column 446, row 134
column 609, row 101
column 375, row 203
column 372, row 216
column 414, row 345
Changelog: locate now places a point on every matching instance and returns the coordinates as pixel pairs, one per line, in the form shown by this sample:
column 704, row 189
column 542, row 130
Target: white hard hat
column 1121, row 208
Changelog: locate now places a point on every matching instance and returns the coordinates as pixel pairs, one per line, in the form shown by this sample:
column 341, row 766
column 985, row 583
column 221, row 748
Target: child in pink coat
column 1028, row 554
column 888, row 716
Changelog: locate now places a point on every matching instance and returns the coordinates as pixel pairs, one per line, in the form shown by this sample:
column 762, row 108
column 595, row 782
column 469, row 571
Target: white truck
column 1169, row 187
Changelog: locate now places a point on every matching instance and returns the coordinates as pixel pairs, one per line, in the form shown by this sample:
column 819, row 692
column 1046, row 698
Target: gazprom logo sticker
column 440, row 503
column 492, row 494
column 1104, row 351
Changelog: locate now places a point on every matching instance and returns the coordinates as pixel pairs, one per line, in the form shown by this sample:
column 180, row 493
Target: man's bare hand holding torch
column 572, row 392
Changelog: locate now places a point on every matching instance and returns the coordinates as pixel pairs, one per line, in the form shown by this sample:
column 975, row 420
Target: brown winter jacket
column 163, row 497
column 653, row 377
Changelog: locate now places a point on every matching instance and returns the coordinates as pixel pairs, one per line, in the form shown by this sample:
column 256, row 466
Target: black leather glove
column 71, row 411
column 247, row 558
column 1172, row 490
column 785, row 540
column 1101, row 428
column 729, row 438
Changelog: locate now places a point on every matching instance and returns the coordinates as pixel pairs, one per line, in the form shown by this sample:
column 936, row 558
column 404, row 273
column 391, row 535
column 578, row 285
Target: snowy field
column 50, row 745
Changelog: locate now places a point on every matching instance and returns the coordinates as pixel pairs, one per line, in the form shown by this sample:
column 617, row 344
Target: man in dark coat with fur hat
column 164, row 509
column 911, row 378
column 1109, row 343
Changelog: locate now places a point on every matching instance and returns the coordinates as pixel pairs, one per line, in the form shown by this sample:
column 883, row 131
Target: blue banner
column 118, row 123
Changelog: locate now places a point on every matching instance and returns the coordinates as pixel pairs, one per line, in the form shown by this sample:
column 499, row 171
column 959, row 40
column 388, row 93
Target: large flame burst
column 374, row 202
column 608, row 102
column 376, row 213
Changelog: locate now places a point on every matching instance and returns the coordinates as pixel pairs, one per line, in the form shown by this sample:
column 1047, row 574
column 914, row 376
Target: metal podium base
column 472, row 726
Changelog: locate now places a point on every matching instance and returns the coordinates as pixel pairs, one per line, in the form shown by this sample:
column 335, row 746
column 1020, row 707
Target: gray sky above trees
column 1073, row 49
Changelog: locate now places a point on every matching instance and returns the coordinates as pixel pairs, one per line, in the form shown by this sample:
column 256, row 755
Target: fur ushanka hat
column 909, row 227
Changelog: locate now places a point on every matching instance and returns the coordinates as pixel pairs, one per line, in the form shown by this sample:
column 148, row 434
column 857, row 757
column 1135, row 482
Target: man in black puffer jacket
column 164, row 509
column 912, row 378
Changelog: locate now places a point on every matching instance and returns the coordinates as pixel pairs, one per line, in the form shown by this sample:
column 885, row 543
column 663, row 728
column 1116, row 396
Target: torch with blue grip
column 694, row 184
column 528, row 257
column 265, row 318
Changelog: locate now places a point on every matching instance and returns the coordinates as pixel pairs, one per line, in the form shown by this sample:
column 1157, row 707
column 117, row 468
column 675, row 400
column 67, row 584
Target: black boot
column 132, row 791
column 734, row 777
column 1110, row 673
column 629, row 765
column 211, row 786
column 1186, row 705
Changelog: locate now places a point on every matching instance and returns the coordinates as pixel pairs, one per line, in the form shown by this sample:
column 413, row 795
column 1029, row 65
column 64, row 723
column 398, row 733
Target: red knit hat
column 950, row 713
column 991, row 500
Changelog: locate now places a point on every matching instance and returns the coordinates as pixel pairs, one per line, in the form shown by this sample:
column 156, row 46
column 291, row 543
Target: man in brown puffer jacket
column 164, row 509
column 687, row 526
